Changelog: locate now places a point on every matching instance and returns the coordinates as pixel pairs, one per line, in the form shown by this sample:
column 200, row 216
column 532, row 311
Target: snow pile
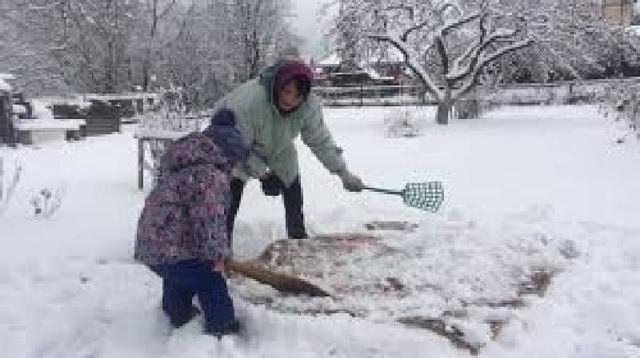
column 41, row 110
column 19, row 109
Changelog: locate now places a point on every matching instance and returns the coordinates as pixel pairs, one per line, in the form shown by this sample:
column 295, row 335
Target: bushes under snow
column 622, row 102
column 402, row 123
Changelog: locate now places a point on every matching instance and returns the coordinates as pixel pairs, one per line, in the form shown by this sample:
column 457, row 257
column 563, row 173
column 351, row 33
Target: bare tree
column 152, row 13
column 25, row 53
column 203, row 46
column 88, row 40
column 216, row 44
column 260, row 31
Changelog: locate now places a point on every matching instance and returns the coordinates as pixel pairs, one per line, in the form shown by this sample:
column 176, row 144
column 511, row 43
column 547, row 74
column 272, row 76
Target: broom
column 281, row 282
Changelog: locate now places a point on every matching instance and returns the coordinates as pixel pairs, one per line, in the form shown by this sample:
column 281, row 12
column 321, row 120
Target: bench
column 34, row 131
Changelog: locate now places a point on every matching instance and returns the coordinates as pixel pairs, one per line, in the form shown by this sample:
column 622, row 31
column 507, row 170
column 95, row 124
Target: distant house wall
column 614, row 12
column 618, row 12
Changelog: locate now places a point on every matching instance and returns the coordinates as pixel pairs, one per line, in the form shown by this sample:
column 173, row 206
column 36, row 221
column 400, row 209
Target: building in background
column 618, row 12
column 614, row 12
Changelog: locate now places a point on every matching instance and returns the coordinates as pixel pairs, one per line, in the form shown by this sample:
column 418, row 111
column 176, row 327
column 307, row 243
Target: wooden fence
column 518, row 94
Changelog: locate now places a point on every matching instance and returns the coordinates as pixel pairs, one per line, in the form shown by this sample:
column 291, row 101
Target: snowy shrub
column 8, row 183
column 402, row 123
column 171, row 114
column 153, row 154
column 170, row 120
column 46, row 202
column 621, row 101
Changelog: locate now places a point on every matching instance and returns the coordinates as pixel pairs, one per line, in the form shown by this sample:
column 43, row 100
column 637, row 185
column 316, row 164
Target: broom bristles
column 279, row 281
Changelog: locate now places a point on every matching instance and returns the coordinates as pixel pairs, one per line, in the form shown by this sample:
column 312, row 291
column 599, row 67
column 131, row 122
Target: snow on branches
column 449, row 44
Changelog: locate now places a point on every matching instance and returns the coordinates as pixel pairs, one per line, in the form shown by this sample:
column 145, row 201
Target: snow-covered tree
column 589, row 48
column 25, row 53
column 152, row 14
column 204, row 46
column 88, row 39
column 260, row 32
column 213, row 45
column 199, row 53
column 449, row 44
column 94, row 38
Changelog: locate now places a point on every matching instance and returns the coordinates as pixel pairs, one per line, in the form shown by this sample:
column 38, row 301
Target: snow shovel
column 427, row 196
column 279, row 281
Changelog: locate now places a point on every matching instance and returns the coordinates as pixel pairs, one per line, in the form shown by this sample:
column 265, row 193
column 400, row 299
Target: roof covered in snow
column 32, row 124
column 331, row 60
column 386, row 55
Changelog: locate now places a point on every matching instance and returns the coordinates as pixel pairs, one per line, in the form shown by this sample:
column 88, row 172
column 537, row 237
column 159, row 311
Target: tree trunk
column 442, row 116
column 444, row 108
column 145, row 75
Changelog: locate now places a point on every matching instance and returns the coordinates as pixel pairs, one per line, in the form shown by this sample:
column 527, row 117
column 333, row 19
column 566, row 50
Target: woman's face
column 289, row 98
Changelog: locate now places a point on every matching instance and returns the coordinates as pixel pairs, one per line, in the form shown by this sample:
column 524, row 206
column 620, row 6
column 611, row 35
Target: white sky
column 308, row 25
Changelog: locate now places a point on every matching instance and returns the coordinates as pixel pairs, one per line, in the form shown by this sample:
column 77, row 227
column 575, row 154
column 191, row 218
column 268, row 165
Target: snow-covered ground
column 527, row 187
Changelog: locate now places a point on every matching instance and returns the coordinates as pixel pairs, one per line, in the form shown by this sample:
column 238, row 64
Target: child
column 182, row 234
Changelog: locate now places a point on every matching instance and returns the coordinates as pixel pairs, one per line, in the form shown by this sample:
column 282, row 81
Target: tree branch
column 458, row 23
column 409, row 59
column 483, row 62
column 444, row 56
column 167, row 9
column 476, row 54
column 406, row 33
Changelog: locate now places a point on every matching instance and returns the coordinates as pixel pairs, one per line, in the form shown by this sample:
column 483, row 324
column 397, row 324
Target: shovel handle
column 384, row 191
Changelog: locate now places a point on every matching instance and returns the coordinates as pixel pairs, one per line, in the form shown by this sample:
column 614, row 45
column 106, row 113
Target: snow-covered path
column 522, row 184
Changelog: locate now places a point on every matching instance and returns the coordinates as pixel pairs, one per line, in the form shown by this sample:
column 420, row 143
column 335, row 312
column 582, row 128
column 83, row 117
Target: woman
column 272, row 111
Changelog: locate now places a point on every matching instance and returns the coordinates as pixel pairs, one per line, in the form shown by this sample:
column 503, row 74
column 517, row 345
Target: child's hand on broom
column 218, row 266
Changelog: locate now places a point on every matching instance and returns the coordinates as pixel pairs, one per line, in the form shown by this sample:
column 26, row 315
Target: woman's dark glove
column 351, row 182
column 271, row 184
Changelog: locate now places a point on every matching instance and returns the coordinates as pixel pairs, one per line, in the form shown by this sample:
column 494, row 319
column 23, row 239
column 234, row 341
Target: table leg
column 140, row 163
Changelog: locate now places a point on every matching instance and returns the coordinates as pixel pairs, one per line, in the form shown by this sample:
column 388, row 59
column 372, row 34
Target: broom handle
column 384, row 191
